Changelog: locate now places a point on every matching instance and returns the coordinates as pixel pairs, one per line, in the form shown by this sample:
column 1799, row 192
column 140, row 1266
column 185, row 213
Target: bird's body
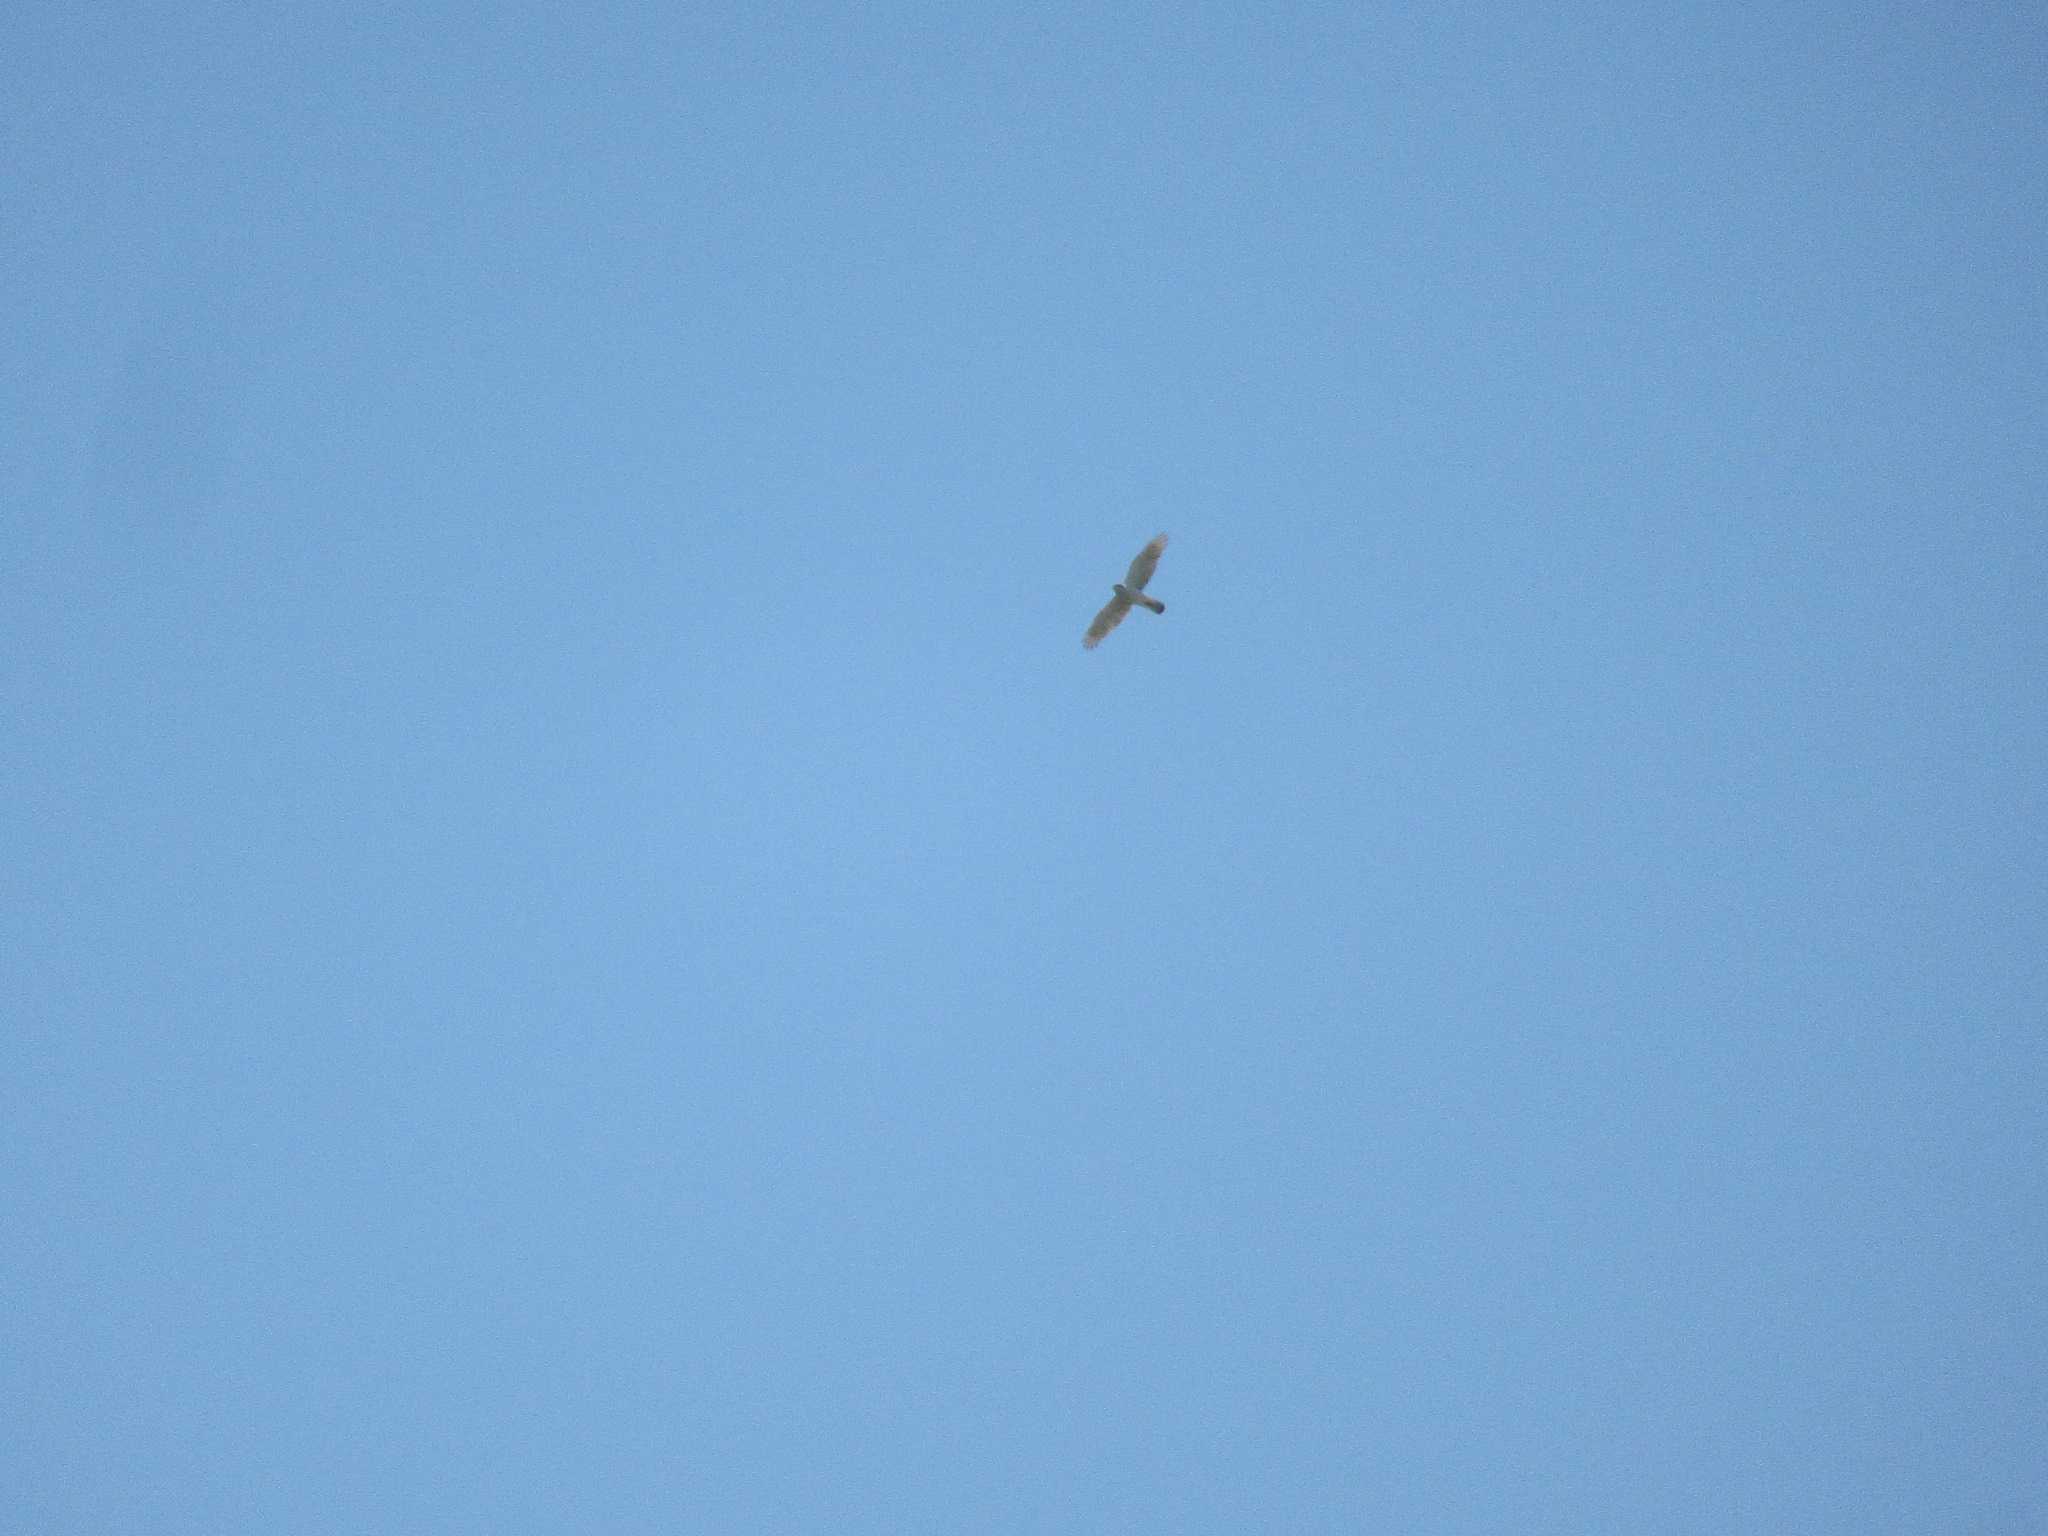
column 1129, row 592
column 1139, row 598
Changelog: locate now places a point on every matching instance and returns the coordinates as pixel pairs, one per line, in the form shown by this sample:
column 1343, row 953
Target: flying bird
column 1128, row 591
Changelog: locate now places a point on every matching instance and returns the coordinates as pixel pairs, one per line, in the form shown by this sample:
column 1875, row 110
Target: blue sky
column 584, row 949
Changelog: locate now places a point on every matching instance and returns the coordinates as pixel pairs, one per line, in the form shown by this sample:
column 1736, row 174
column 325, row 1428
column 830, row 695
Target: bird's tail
column 1150, row 602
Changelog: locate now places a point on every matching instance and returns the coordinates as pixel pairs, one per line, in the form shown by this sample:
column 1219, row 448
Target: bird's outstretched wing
column 1142, row 569
column 1112, row 615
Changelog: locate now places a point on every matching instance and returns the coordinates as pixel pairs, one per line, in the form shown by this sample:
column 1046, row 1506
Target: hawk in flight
column 1128, row 591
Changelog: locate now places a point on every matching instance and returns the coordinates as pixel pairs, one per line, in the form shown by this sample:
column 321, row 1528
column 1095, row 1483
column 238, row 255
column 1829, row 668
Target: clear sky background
column 584, row 949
